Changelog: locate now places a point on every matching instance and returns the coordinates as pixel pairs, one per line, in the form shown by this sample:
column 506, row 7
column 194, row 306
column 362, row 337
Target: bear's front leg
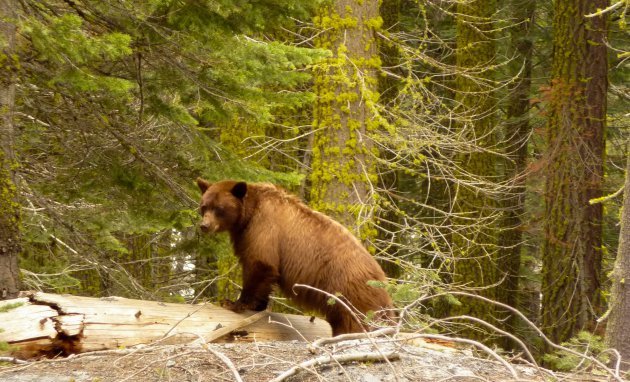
column 234, row 306
column 258, row 281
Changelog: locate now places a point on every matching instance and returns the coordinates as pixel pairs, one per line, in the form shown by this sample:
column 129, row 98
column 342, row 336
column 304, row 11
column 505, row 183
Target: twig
column 182, row 319
column 617, row 357
column 339, row 358
column 474, row 343
column 540, row 333
column 150, row 364
column 502, row 332
column 600, row 12
column 352, row 311
column 351, row 336
column 606, row 197
column 14, row 360
column 228, row 362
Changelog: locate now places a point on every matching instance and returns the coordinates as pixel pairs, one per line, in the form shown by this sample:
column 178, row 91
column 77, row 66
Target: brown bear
column 280, row 241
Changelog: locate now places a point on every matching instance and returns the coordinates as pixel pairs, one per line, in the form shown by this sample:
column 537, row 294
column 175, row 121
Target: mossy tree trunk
column 618, row 327
column 389, row 86
column 575, row 138
column 517, row 131
column 10, row 245
column 476, row 240
column 343, row 166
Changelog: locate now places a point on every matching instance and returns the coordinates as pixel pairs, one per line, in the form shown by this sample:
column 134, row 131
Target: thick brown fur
column 280, row 241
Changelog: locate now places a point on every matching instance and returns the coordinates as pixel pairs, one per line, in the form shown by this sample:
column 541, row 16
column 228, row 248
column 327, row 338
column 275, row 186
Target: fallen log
column 51, row 324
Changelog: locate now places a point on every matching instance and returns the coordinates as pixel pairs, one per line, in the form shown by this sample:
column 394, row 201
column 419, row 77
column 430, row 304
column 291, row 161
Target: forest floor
column 266, row 361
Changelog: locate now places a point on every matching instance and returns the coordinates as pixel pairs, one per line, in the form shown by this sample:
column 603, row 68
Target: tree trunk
column 10, row 245
column 343, row 166
column 618, row 327
column 517, row 133
column 388, row 88
column 476, row 244
column 575, row 137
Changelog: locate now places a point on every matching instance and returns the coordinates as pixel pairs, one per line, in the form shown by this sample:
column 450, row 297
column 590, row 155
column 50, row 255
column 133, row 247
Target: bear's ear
column 203, row 185
column 239, row 190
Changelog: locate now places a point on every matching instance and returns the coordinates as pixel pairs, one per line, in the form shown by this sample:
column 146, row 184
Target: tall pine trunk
column 575, row 154
column 517, row 130
column 343, row 166
column 618, row 327
column 10, row 245
column 389, row 86
column 476, row 243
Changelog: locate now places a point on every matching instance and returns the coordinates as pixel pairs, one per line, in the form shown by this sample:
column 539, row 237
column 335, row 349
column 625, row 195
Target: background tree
column 343, row 169
column 10, row 240
column 572, row 250
column 476, row 245
column 618, row 326
column 517, row 133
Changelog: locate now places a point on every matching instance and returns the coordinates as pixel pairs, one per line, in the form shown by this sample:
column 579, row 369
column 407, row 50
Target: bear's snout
column 208, row 227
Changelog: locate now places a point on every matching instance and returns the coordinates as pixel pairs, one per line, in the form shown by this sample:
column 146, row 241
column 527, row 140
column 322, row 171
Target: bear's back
column 315, row 250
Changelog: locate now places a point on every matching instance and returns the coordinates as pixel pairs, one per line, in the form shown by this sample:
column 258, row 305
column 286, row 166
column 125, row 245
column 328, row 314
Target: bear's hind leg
column 343, row 322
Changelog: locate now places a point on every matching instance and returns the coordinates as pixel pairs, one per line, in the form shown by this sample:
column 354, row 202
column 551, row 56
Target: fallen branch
column 474, row 343
column 350, row 336
column 338, row 358
column 14, row 360
column 228, row 362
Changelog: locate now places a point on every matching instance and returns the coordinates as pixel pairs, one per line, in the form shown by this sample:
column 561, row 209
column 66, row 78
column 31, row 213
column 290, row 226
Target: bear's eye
column 219, row 211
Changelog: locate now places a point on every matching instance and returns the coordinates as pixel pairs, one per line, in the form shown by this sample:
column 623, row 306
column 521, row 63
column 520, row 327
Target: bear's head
column 221, row 204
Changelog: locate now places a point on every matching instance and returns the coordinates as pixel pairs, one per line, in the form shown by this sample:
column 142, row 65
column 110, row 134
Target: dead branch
column 474, row 343
column 14, row 360
column 228, row 362
column 339, row 358
column 541, row 334
column 350, row 336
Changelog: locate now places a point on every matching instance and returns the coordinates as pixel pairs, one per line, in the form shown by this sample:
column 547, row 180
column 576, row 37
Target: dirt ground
column 264, row 361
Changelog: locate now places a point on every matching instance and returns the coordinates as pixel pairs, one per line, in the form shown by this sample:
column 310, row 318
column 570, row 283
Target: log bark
column 43, row 324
